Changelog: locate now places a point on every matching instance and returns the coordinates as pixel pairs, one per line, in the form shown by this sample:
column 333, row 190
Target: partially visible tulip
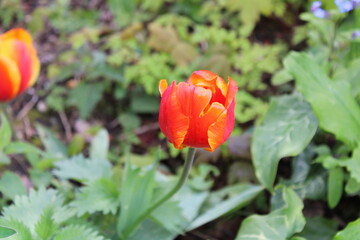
column 19, row 63
column 198, row 113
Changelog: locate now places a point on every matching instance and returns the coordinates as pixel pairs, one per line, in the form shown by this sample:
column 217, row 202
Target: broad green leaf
column 280, row 224
column 101, row 195
column 319, row 228
column 100, row 146
column 5, row 132
column 6, row 232
column 234, row 198
column 22, row 147
column 46, row 227
column 11, row 185
column 335, row 186
column 52, row 144
column 286, row 130
column 77, row 232
column 169, row 215
column 152, row 230
column 136, row 195
column 332, row 101
column 82, row 169
column 4, row 159
column 351, row 231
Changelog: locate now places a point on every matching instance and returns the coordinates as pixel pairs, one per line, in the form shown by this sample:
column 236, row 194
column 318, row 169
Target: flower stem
column 185, row 173
column 4, row 109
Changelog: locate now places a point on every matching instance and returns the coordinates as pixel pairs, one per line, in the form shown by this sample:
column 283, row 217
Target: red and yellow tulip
column 198, row 113
column 19, row 63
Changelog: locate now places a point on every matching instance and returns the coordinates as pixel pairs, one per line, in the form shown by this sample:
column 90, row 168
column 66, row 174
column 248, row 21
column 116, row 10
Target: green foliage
column 11, row 185
column 75, row 232
column 287, row 129
column 10, row 10
column 284, row 221
column 351, row 231
column 6, row 232
column 332, row 101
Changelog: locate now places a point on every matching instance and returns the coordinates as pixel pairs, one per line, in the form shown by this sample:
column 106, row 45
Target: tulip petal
column 193, row 99
column 19, row 34
column 9, row 79
column 231, row 92
column 222, row 128
column 173, row 123
column 163, row 85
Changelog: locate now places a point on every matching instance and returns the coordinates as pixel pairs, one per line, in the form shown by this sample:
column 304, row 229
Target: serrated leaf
column 11, row 185
column 280, row 224
column 169, row 215
column 101, row 195
column 28, row 209
column 244, row 194
column 351, row 231
column 82, row 169
column 100, row 146
column 6, row 232
column 286, row 130
column 5, row 132
column 46, row 226
column 52, row 144
column 78, row 232
column 152, row 230
column 22, row 231
column 332, row 101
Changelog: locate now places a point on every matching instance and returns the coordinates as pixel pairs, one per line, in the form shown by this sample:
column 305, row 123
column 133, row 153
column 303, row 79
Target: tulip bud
column 19, row 63
column 198, row 113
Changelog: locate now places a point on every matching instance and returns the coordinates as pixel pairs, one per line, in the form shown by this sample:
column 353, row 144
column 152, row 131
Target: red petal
column 222, row 128
column 173, row 123
column 10, row 79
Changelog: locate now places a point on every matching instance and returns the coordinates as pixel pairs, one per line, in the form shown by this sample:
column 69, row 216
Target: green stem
column 4, row 108
column 185, row 173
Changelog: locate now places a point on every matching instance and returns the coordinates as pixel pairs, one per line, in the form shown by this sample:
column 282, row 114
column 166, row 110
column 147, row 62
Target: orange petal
column 173, row 123
column 162, row 86
column 19, row 34
column 231, row 92
column 10, row 79
column 197, row 135
column 222, row 128
column 193, row 100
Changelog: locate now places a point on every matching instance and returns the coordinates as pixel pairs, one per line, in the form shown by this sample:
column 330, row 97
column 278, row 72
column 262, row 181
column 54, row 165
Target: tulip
column 19, row 63
column 198, row 113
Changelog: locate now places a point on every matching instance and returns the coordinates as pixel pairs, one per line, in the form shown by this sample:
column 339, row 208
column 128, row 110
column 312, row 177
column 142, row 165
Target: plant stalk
column 184, row 175
column 4, row 109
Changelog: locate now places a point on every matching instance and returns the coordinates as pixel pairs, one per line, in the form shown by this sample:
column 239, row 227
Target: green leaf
column 52, row 144
column 46, row 226
column 136, row 195
column 332, row 101
column 82, row 169
column 123, row 10
column 85, row 96
column 335, row 186
column 28, row 209
column 101, row 195
column 11, row 185
column 319, row 228
column 351, row 231
column 286, row 130
column 233, row 198
column 6, row 232
column 4, row 159
column 280, row 224
column 152, row 230
column 77, row 232
column 169, row 215
column 100, row 146
column 23, row 232
column 5, row 132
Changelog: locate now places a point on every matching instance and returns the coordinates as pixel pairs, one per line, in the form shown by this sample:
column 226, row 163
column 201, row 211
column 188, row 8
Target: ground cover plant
column 95, row 144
